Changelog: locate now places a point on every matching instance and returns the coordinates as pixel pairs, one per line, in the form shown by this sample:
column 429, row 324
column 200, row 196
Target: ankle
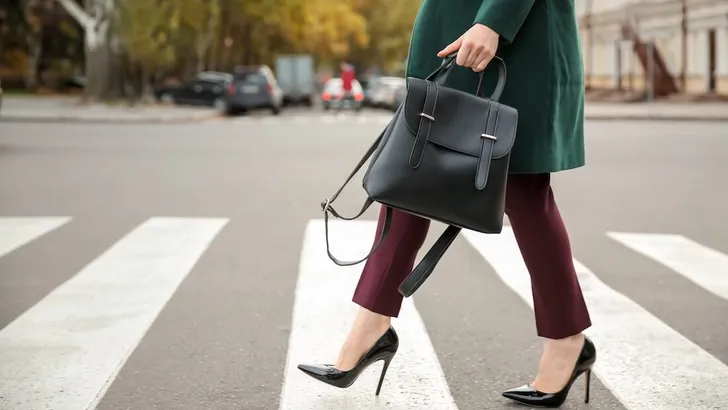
column 368, row 319
column 568, row 339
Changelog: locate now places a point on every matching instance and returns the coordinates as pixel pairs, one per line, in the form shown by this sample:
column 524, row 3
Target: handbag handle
column 440, row 75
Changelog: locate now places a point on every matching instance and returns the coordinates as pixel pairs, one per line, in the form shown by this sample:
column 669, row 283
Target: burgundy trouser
column 542, row 239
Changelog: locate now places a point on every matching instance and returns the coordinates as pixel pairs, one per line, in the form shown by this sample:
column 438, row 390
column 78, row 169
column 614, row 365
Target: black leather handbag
column 445, row 157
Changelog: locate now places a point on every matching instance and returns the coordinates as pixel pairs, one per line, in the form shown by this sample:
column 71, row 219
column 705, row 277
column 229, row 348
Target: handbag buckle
column 490, row 137
column 325, row 205
column 429, row 117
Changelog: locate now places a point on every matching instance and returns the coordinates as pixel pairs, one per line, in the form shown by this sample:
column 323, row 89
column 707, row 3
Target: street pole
column 684, row 45
column 650, row 71
column 590, row 42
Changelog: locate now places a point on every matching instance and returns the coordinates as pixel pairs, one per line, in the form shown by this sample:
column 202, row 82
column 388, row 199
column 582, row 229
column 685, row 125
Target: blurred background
column 187, row 51
column 138, row 49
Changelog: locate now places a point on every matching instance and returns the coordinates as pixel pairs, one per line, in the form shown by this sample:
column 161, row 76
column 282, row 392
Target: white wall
column 722, row 49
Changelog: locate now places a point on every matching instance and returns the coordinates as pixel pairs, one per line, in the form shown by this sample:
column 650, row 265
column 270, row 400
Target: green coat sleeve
column 505, row 17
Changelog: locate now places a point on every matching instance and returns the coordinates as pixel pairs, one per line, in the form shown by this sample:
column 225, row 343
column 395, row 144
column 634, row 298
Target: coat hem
column 548, row 170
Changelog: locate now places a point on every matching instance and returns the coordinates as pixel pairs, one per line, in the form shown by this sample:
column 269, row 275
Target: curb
column 218, row 117
column 627, row 117
column 107, row 120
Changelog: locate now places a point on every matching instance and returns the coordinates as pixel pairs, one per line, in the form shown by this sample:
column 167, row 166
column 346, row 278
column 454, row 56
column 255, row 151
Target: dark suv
column 254, row 88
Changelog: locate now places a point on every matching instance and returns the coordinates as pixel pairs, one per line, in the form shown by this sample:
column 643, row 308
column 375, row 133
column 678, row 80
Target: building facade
column 687, row 36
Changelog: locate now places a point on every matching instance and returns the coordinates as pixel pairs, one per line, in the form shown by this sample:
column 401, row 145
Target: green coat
column 545, row 77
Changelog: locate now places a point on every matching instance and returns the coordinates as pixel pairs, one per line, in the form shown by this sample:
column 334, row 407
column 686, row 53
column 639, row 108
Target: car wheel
column 167, row 99
column 221, row 106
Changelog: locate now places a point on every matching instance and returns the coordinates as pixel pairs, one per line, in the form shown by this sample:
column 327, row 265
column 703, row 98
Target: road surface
column 181, row 266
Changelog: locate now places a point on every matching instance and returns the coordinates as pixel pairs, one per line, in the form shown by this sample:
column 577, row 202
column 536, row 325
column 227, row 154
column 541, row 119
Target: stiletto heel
column 529, row 396
column 384, row 349
column 384, row 371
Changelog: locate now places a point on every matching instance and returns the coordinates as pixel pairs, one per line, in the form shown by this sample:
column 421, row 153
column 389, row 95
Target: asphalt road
column 180, row 266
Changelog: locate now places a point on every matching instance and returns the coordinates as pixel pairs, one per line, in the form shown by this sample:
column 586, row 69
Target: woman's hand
column 476, row 48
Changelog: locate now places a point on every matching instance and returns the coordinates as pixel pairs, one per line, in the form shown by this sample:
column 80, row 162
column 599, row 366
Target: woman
column 538, row 40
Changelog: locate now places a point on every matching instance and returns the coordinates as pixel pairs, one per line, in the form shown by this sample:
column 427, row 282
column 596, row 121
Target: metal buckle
column 325, row 205
column 490, row 137
column 429, row 117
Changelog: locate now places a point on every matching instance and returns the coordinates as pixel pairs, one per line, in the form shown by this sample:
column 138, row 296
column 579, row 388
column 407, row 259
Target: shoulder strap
column 326, row 207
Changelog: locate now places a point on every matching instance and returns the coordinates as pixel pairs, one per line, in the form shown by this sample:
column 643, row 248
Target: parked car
column 199, row 91
column 253, row 88
column 384, row 93
column 333, row 95
column 399, row 96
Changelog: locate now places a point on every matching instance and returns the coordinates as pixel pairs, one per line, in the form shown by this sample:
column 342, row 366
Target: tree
column 202, row 17
column 389, row 27
column 33, row 11
column 101, row 47
column 146, row 31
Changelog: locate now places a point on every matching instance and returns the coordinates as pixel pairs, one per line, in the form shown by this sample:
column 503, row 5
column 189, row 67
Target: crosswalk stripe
column 16, row 232
column 644, row 362
column 64, row 352
column 322, row 316
column 704, row 266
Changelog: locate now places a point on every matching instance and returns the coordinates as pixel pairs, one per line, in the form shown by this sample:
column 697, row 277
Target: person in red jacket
column 348, row 75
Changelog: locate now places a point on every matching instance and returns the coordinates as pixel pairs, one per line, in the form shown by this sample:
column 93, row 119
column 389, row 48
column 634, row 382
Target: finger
column 482, row 64
column 451, row 48
column 463, row 54
column 474, row 57
column 483, row 61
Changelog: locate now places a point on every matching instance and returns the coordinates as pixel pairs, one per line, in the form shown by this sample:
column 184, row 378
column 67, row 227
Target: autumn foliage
column 113, row 43
column 218, row 34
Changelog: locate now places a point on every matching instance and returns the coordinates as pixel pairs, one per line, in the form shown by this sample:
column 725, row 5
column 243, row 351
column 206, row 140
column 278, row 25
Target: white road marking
column 65, row 351
column 322, row 316
column 16, row 232
column 644, row 362
column 704, row 266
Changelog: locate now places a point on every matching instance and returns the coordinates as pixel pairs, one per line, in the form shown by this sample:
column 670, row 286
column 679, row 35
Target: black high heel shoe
column 532, row 397
column 383, row 349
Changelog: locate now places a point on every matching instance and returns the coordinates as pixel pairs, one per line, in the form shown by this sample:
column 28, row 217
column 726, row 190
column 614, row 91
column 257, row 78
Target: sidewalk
column 64, row 109
column 672, row 111
column 68, row 109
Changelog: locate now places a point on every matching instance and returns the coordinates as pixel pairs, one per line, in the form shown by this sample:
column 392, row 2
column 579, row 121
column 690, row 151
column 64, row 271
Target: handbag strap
column 422, row 271
column 326, row 207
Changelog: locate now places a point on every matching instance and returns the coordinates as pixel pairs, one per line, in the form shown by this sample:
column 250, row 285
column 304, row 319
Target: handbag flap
column 458, row 119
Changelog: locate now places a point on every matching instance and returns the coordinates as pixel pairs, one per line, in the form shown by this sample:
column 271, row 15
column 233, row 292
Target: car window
column 209, row 83
column 251, row 78
column 268, row 74
column 214, row 76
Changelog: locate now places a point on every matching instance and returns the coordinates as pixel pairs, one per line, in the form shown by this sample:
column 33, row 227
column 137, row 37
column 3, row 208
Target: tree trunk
column 103, row 74
column 35, row 49
column 34, row 41
column 683, row 46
